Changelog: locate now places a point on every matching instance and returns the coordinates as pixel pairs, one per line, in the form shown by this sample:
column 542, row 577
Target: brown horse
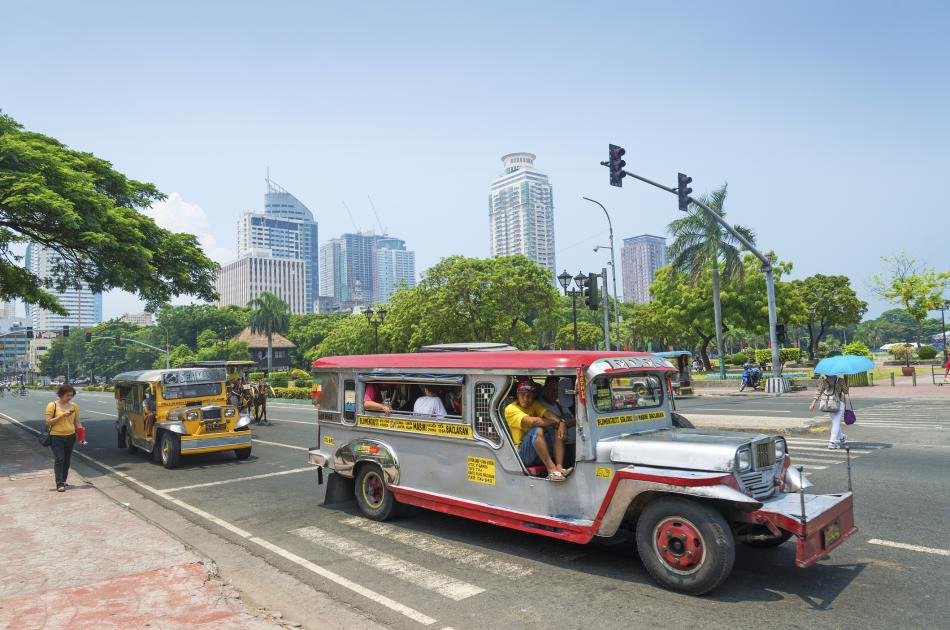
column 257, row 405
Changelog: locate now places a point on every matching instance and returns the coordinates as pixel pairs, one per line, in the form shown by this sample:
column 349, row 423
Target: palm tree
column 700, row 243
column 270, row 315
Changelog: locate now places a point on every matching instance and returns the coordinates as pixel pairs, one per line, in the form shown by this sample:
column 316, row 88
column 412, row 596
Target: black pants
column 62, row 446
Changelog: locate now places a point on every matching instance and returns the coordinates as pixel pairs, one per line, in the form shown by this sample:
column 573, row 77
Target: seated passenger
column 454, row 398
column 551, row 400
column 373, row 400
column 429, row 404
column 537, row 432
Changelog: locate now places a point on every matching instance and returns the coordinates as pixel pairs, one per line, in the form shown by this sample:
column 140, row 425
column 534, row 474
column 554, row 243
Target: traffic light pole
column 142, row 343
column 777, row 382
column 606, row 310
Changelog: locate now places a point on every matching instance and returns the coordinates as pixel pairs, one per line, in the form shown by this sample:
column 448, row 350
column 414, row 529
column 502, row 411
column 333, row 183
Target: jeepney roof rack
column 468, row 346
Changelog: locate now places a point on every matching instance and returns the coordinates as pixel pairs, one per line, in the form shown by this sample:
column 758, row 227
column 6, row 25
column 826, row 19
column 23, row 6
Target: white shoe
column 843, row 438
column 834, row 446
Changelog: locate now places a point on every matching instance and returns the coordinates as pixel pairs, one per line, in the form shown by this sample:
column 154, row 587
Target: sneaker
column 834, row 446
column 61, row 488
column 843, row 438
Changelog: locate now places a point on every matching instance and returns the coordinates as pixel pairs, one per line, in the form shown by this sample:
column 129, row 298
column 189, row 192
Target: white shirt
column 429, row 406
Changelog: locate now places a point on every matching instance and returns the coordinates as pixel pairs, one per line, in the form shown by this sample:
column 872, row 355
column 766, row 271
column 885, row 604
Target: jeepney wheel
column 169, row 449
column 679, row 422
column 242, row 453
column 372, row 495
column 685, row 546
column 127, row 439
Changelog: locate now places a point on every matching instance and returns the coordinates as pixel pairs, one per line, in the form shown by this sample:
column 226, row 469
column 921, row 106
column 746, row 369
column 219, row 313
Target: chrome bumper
column 317, row 457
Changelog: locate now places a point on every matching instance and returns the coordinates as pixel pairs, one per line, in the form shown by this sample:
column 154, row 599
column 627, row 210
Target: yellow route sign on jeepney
column 481, row 470
column 610, row 421
column 444, row 429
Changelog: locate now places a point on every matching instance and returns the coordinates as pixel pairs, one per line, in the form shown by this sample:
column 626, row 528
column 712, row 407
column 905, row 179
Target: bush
column 791, row 355
column 763, row 355
column 926, row 352
column 255, row 376
column 299, row 393
column 858, row 348
column 279, row 379
column 902, row 352
column 298, row 374
column 736, row 359
column 303, row 382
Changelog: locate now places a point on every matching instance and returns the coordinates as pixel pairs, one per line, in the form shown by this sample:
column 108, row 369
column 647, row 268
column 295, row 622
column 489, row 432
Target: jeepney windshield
column 194, row 390
column 621, row 393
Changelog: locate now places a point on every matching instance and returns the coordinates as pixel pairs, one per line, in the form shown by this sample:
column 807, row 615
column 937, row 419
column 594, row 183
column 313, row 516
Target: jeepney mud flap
column 828, row 522
column 340, row 489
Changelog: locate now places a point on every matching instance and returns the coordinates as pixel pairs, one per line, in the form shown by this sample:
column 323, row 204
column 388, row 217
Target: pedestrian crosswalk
column 920, row 414
column 814, row 454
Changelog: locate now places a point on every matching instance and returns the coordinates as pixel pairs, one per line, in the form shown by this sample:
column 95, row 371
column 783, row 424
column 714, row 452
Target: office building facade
column 640, row 257
column 286, row 230
column 395, row 267
column 84, row 306
column 360, row 269
column 521, row 212
column 246, row 278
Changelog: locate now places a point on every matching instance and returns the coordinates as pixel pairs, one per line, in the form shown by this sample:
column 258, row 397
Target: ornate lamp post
column 375, row 317
column 579, row 281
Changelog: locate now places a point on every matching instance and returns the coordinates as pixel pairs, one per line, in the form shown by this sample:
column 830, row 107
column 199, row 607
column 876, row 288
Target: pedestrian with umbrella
column 833, row 391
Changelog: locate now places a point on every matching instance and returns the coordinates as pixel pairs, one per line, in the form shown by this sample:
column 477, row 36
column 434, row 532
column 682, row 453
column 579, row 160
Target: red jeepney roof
column 528, row 360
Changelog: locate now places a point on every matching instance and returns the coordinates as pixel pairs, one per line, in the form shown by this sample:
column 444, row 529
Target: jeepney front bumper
column 318, row 458
column 828, row 522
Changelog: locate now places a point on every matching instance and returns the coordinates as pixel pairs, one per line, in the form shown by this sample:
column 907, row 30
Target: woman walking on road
column 62, row 418
column 832, row 392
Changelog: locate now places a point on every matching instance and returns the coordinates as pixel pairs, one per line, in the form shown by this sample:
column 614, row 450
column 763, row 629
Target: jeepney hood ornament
column 693, row 449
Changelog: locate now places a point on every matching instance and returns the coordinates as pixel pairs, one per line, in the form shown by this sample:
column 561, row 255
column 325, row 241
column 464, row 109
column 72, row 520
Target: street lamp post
column 579, row 280
column 613, row 267
column 375, row 317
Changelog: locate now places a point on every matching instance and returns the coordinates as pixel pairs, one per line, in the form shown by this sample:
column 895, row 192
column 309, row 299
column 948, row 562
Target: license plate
column 831, row 533
column 214, row 426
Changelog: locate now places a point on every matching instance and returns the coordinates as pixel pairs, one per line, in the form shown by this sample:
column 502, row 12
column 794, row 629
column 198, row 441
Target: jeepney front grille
column 484, row 427
column 211, row 413
column 758, row 484
column 764, row 454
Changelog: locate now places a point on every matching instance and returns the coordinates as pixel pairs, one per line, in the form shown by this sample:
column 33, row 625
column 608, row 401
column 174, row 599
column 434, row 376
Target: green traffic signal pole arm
column 142, row 343
column 766, row 268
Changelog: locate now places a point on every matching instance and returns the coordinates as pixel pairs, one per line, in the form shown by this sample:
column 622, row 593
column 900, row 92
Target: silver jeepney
column 681, row 489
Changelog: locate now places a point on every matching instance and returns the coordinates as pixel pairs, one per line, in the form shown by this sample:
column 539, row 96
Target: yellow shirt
column 514, row 414
column 64, row 426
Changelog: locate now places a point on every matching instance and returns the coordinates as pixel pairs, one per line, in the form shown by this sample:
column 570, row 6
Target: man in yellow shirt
column 537, row 433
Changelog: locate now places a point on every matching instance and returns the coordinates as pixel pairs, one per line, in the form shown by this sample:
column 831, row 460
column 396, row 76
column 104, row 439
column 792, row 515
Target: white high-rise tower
column 521, row 212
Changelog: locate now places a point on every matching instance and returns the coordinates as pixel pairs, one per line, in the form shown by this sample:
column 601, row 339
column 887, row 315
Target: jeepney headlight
column 229, row 412
column 744, row 459
column 191, row 415
column 780, row 448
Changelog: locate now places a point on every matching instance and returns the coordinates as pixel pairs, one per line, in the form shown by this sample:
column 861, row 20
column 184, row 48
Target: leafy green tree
column 353, row 335
column 916, row 288
column 589, row 336
column 269, row 315
column 184, row 323
column 701, row 245
column 894, row 325
column 88, row 213
column 830, row 302
column 858, row 348
column 308, row 331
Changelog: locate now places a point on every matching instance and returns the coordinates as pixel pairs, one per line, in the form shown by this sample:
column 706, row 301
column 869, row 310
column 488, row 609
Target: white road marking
column 297, row 448
column 899, row 545
column 101, row 413
column 823, row 450
column 397, row 567
column 698, row 411
column 237, row 479
column 429, row 545
column 313, row 423
column 359, row 589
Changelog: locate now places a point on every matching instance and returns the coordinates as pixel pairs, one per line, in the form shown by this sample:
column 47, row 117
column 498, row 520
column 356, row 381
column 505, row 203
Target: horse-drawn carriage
column 242, row 393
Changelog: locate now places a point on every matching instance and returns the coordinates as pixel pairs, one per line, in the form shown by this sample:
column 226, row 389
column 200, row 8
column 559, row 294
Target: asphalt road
column 431, row 569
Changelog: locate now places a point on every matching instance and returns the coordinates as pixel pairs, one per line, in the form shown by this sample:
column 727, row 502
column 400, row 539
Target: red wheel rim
column 373, row 490
column 679, row 545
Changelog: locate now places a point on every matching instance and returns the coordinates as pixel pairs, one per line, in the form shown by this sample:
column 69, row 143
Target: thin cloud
column 178, row 215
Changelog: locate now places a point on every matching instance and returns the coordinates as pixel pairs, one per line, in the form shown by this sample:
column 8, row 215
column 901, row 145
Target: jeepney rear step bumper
column 829, row 521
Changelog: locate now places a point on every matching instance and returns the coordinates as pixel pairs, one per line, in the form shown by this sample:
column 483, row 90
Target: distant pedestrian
column 62, row 418
column 946, row 371
column 832, row 393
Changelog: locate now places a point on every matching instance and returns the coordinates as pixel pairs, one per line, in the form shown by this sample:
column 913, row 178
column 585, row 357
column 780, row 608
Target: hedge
column 300, row 393
column 303, row 382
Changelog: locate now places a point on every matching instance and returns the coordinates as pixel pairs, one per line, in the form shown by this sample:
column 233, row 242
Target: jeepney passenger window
column 328, row 394
column 349, row 400
column 484, row 427
column 620, row 393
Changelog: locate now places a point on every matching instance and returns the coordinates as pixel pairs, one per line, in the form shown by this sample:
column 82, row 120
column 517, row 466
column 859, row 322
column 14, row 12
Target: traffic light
column 780, row 334
column 118, row 340
column 683, row 190
column 616, row 164
column 29, row 332
column 65, row 331
column 592, row 291
column 88, row 336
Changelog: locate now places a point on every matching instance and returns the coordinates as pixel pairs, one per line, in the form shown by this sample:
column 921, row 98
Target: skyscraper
column 640, row 257
column 333, row 270
column 246, row 278
column 285, row 230
column 521, row 212
column 84, row 306
column 394, row 266
column 360, row 269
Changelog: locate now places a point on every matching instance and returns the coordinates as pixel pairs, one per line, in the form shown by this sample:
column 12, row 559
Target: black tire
column 242, row 453
column 679, row 422
column 127, row 439
column 169, row 449
column 769, row 542
column 120, row 438
column 373, row 497
column 705, row 530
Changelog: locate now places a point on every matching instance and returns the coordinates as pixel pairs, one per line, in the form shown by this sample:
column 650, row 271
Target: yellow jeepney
column 175, row 412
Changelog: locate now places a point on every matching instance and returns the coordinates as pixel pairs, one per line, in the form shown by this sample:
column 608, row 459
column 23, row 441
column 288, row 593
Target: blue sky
column 828, row 122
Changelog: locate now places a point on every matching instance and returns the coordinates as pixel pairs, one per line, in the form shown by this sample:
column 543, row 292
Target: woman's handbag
column 45, row 439
column 849, row 417
column 829, row 402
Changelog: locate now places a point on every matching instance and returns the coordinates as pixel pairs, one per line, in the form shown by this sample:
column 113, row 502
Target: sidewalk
column 79, row 560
